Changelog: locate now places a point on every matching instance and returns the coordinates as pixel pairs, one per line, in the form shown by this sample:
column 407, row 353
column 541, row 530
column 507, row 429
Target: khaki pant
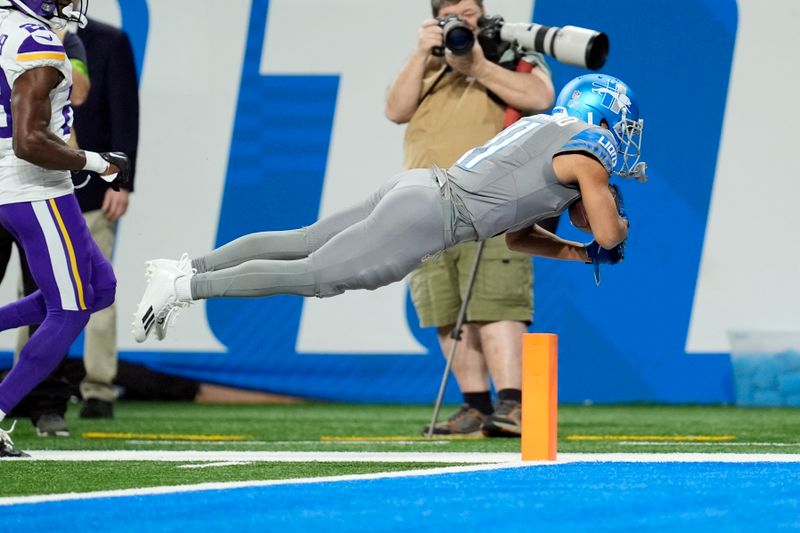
column 100, row 335
column 503, row 285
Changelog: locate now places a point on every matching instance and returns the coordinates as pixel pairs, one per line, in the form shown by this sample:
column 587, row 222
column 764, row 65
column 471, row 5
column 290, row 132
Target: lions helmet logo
column 613, row 96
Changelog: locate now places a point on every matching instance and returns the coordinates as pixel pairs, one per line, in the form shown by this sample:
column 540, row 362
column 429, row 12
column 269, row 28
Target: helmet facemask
column 72, row 14
column 629, row 134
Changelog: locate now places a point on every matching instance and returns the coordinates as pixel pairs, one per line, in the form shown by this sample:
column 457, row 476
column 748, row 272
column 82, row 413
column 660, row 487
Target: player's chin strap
column 73, row 15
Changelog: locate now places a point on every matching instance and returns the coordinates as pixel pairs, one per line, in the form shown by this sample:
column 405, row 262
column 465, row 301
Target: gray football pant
column 365, row 247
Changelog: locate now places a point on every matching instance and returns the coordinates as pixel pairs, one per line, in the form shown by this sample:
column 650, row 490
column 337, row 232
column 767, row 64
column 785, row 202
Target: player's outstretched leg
column 170, row 288
column 293, row 244
column 404, row 225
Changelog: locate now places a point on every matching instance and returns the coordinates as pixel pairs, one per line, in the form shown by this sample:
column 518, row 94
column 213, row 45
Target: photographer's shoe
column 52, row 425
column 7, row 445
column 94, row 408
column 506, row 421
column 466, row 422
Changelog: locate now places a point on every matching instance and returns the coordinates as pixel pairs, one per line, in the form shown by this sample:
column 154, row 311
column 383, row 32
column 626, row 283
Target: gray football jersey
column 509, row 183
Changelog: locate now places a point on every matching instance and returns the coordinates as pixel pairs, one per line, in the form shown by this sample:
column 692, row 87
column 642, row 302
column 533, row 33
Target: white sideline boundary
column 396, row 457
column 273, row 457
column 495, row 461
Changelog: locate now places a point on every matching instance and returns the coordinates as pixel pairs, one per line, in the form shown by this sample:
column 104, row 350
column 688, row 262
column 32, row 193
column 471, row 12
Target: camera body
column 458, row 37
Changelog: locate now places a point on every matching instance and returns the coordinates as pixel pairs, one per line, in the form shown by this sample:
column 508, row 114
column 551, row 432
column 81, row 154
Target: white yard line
column 495, row 460
column 215, row 465
column 273, row 457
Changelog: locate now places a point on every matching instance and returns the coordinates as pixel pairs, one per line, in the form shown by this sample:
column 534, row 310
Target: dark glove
column 122, row 162
column 600, row 256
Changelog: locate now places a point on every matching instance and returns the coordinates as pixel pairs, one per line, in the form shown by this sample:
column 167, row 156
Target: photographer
column 451, row 104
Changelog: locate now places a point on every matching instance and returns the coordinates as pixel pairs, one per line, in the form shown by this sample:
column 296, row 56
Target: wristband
column 95, row 162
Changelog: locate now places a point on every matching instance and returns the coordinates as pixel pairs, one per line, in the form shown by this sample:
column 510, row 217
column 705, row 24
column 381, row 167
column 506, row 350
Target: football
column 578, row 217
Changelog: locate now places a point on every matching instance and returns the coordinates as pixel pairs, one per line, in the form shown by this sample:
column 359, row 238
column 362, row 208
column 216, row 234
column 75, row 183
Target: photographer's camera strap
column 514, row 114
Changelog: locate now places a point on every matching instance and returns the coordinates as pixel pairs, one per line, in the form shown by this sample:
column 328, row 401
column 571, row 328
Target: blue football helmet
column 598, row 98
column 54, row 13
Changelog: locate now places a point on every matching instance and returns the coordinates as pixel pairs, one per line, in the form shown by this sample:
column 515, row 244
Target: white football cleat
column 168, row 321
column 159, row 305
column 7, row 448
column 183, row 264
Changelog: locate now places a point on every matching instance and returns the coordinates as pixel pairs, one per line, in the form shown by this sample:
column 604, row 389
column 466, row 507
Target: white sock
column 183, row 288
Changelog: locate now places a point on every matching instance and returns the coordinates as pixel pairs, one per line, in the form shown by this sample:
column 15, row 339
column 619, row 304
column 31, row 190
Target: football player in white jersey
column 37, row 205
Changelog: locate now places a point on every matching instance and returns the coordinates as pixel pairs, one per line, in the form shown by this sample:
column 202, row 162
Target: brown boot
column 506, row 421
column 466, row 421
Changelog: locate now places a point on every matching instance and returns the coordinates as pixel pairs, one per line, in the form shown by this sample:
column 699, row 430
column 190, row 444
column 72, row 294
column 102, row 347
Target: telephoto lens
column 571, row 45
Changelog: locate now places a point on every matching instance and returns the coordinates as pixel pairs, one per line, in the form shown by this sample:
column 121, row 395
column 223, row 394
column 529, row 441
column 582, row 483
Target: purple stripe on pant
column 59, row 326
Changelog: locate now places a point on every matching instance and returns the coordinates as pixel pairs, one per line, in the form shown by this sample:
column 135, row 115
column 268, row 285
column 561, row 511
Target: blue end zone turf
column 577, row 497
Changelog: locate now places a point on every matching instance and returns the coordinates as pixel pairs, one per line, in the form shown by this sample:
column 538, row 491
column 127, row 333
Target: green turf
column 46, row 477
column 756, row 430
column 300, row 427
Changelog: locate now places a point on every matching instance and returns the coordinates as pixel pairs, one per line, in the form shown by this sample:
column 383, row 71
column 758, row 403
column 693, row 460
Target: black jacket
column 109, row 119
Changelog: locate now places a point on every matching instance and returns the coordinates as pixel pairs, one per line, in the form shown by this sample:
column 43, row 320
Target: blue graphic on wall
column 623, row 341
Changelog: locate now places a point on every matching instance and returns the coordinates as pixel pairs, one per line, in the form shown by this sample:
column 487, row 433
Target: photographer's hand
column 430, row 36
column 405, row 92
column 469, row 64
